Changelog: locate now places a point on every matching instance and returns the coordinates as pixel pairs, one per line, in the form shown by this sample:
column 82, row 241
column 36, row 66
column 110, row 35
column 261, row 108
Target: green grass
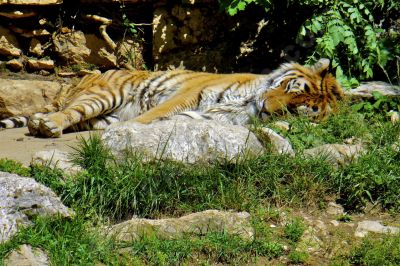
column 111, row 190
column 68, row 242
column 374, row 252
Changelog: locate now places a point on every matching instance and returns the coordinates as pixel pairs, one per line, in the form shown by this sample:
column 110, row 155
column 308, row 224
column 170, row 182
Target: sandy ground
column 16, row 144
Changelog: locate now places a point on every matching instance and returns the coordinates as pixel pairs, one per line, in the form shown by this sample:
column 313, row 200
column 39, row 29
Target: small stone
column 334, row 209
column 9, row 45
column 36, row 48
column 67, row 74
column 26, row 256
column 85, row 72
column 394, row 117
column 376, row 227
column 334, row 223
column 283, row 125
column 15, row 65
column 280, row 145
column 44, row 64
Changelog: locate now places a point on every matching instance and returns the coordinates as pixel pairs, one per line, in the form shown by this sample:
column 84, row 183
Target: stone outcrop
column 21, row 198
column 199, row 223
column 25, row 255
column 185, row 140
column 18, row 97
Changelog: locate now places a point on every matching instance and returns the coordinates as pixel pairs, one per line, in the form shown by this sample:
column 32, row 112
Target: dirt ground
column 16, row 144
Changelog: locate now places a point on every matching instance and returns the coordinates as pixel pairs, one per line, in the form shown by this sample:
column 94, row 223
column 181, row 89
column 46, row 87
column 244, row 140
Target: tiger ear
column 321, row 66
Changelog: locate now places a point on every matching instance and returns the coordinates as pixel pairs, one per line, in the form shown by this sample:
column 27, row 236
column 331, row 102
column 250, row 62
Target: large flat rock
column 184, row 140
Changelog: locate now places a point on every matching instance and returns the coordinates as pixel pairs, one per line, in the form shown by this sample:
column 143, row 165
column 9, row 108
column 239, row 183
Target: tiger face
column 311, row 90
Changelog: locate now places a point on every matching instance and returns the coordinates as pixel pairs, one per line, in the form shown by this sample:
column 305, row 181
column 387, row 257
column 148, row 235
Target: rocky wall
column 79, row 36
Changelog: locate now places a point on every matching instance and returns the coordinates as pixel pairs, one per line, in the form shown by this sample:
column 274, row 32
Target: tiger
column 99, row 100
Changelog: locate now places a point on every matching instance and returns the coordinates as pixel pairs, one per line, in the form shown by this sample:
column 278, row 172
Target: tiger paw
column 49, row 129
column 33, row 124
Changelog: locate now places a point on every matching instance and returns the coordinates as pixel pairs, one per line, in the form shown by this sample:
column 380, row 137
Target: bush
column 354, row 34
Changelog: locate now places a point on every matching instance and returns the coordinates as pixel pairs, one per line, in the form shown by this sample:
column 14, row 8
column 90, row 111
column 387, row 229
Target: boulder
column 56, row 159
column 336, row 153
column 199, row 223
column 184, row 140
column 21, row 198
column 19, row 97
column 26, row 255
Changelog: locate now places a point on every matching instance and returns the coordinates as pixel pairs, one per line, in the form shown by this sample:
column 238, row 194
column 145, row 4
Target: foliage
column 379, row 103
column 294, row 230
column 373, row 252
column 11, row 166
column 351, row 33
column 68, row 242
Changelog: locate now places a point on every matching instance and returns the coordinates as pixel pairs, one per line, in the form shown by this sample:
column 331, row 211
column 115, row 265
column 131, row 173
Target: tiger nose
column 315, row 108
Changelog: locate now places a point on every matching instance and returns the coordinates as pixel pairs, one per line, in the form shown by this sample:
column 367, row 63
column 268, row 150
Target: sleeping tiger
column 143, row 96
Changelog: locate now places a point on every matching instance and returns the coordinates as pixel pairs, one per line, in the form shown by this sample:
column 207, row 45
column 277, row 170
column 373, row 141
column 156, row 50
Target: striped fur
column 142, row 96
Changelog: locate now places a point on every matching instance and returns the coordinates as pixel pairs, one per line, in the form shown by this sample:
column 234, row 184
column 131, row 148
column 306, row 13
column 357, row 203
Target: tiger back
column 143, row 96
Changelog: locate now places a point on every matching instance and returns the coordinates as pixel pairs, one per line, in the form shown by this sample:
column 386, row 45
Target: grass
column 110, row 190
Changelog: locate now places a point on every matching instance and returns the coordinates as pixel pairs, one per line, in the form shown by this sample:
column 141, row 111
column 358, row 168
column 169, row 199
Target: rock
column 196, row 224
column 21, row 198
column 56, row 159
column 309, row 241
column 18, row 97
column 394, row 117
column 41, row 64
column 83, row 50
column 30, row 2
column 376, row 227
column 36, row 48
column 27, row 256
column 365, row 90
column 334, row 209
column 334, row 223
column 283, row 125
column 84, row 72
column 130, row 54
column 280, row 145
column 15, row 65
column 336, row 153
column 8, row 43
column 71, row 47
column 184, row 140
column 16, row 14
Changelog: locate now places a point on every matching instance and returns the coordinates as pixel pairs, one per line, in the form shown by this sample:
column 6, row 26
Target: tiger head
column 312, row 90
